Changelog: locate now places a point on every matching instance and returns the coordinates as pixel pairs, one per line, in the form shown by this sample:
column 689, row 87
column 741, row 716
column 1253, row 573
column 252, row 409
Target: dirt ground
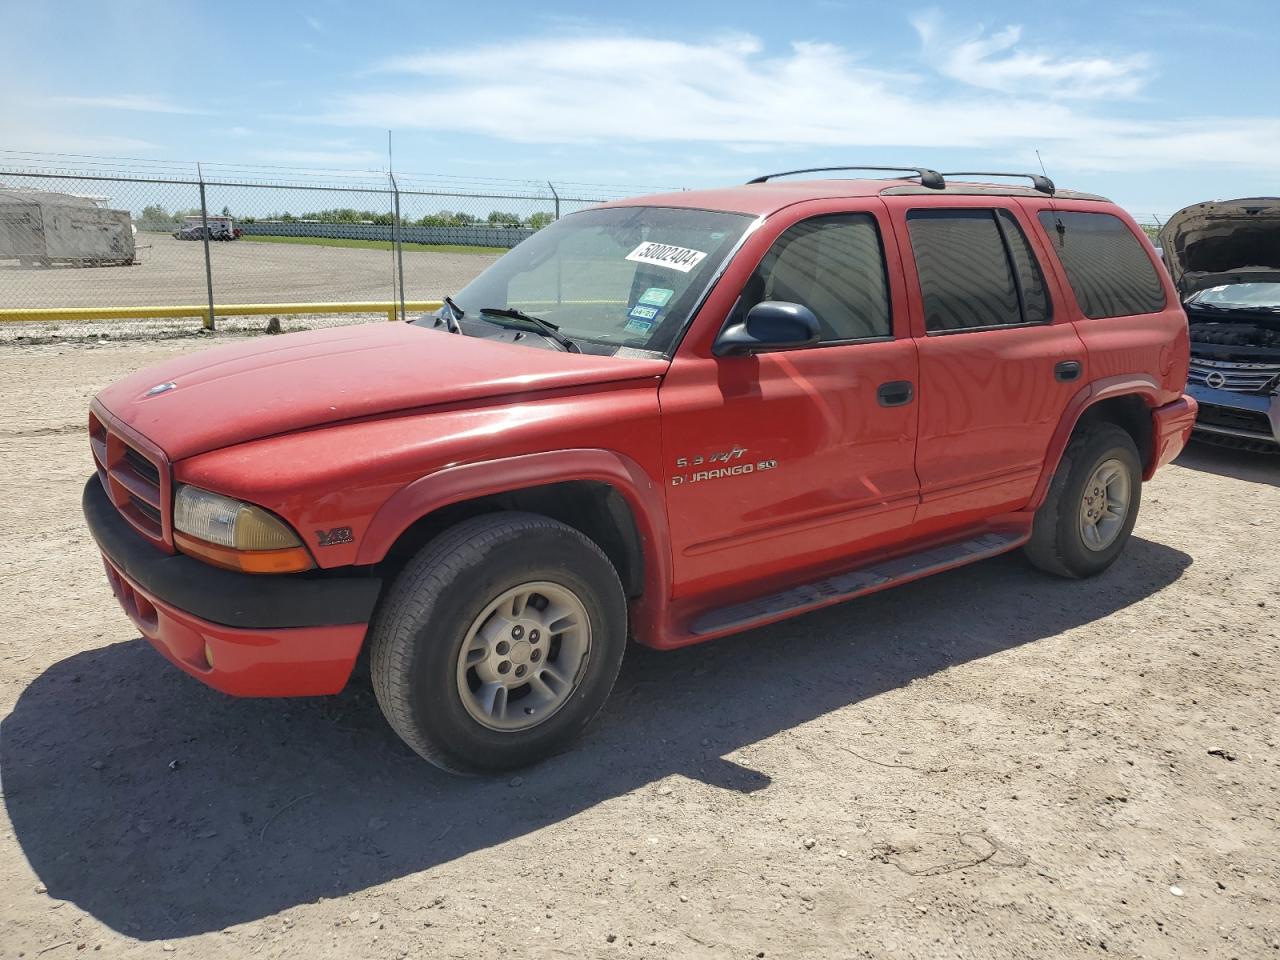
column 171, row 271
column 986, row 764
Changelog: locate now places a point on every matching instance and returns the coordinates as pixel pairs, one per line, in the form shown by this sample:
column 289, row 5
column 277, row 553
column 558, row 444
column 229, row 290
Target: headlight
column 233, row 534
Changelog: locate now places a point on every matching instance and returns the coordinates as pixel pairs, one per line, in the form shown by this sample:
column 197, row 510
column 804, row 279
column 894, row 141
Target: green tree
column 539, row 220
column 154, row 213
column 498, row 218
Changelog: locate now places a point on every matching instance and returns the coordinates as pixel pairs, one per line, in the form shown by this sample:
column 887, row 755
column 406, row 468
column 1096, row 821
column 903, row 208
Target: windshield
column 621, row 277
column 1239, row 296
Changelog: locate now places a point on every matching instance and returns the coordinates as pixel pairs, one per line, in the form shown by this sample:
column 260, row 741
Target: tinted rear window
column 966, row 278
column 1109, row 271
column 1035, row 299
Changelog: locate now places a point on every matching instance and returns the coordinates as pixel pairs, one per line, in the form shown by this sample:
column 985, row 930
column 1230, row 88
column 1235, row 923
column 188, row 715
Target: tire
column 1059, row 541
column 446, row 597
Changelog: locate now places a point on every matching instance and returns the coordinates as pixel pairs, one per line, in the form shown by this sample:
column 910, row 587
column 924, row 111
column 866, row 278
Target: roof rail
column 928, row 178
column 1041, row 184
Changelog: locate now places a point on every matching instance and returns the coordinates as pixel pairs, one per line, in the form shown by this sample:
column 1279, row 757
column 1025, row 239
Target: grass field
column 376, row 244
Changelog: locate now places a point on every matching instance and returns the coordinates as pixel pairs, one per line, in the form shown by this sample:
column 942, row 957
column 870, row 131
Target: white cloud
column 140, row 103
column 314, row 24
column 626, row 89
column 1177, row 144
column 35, row 140
column 994, row 61
column 730, row 94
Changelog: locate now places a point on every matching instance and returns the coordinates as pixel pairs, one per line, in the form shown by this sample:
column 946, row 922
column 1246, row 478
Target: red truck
column 668, row 418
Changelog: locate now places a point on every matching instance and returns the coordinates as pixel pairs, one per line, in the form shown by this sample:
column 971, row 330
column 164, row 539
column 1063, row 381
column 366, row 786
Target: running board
column 855, row 583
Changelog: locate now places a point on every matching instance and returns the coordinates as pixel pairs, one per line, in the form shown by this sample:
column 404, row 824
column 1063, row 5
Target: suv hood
column 1223, row 241
column 238, row 393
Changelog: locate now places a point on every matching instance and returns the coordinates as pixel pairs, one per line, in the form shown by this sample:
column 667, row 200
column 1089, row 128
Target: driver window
column 833, row 265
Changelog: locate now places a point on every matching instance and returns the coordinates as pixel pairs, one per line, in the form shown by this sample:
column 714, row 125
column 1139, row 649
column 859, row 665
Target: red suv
column 668, row 418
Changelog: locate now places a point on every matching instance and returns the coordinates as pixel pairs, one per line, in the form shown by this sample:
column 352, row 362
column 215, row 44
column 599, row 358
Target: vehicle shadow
column 165, row 809
column 1229, row 462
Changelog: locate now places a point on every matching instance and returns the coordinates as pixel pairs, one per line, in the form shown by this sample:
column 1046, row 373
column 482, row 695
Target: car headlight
column 233, row 534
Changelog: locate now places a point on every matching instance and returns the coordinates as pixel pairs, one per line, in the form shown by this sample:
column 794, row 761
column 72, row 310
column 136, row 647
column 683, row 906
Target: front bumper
column 244, row 634
column 1248, row 419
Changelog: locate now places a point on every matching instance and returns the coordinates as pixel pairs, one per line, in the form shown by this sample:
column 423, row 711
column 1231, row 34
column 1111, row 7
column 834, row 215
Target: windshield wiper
column 544, row 327
column 452, row 316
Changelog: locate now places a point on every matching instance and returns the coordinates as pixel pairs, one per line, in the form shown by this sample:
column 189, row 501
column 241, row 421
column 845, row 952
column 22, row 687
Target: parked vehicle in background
column 669, row 418
column 220, row 228
column 1224, row 256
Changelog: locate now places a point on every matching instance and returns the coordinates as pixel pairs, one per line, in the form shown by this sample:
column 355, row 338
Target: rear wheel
column 499, row 642
column 1091, row 506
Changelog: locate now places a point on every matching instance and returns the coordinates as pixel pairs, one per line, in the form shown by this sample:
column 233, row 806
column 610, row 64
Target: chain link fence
column 106, row 249
column 115, row 253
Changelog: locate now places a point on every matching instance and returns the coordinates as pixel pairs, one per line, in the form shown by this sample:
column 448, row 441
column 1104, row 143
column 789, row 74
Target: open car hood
column 1223, row 241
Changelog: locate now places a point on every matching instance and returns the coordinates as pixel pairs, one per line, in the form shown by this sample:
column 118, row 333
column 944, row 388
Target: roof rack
column 1041, row 184
column 928, row 178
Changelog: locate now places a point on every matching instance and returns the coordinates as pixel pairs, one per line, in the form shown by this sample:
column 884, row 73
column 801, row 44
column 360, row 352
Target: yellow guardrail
column 51, row 314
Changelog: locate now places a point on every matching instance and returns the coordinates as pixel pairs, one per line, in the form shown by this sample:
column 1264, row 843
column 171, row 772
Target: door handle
column 1067, row 370
column 895, row 393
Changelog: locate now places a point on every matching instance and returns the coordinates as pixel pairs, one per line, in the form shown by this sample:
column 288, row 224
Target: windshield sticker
column 665, row 255
column 642, row 319
column 656, row 296
column 647, row 314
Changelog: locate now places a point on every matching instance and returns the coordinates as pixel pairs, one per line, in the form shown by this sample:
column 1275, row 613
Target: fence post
column 208, row 266
column 557, row 198
column 399, row 247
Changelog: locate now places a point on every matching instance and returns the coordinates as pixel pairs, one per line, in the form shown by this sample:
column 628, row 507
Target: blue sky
column 1156, row 105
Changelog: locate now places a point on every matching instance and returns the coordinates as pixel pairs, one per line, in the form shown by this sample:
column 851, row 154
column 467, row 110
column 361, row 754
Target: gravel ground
column 986, row 764
column 172, row 272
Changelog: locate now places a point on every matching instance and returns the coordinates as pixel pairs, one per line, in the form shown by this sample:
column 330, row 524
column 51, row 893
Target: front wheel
column 1091, row 506
column 499, row 642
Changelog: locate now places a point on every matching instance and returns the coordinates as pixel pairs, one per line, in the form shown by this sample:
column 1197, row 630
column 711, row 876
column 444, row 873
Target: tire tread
column 1045, row 547
column 412, row 597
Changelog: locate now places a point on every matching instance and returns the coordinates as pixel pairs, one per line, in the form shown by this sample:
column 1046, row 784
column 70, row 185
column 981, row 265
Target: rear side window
column 1026, row 271
column 1109, row 271
column 834, row 266
column 976, row 270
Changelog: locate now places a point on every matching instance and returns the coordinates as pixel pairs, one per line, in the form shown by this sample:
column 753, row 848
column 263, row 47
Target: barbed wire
column 29, row 163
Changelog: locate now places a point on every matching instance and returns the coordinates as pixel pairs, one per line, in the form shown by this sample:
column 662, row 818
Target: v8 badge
column 331, row 538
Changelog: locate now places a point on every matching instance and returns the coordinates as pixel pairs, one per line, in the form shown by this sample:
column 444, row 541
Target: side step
column 846, row 586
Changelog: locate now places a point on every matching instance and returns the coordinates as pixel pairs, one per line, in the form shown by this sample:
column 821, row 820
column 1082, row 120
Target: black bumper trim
column 244, row 600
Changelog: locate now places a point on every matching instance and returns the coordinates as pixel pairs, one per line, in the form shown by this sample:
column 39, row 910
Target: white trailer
column 40, row 228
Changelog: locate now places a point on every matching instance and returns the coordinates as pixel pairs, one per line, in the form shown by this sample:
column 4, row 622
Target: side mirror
column 771, row 325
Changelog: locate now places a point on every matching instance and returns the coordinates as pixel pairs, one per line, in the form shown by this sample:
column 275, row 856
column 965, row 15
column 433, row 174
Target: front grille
column 1242, row 423
column 152, row 513
column 142, row 466
column 1237, row 377
column 135, row 480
